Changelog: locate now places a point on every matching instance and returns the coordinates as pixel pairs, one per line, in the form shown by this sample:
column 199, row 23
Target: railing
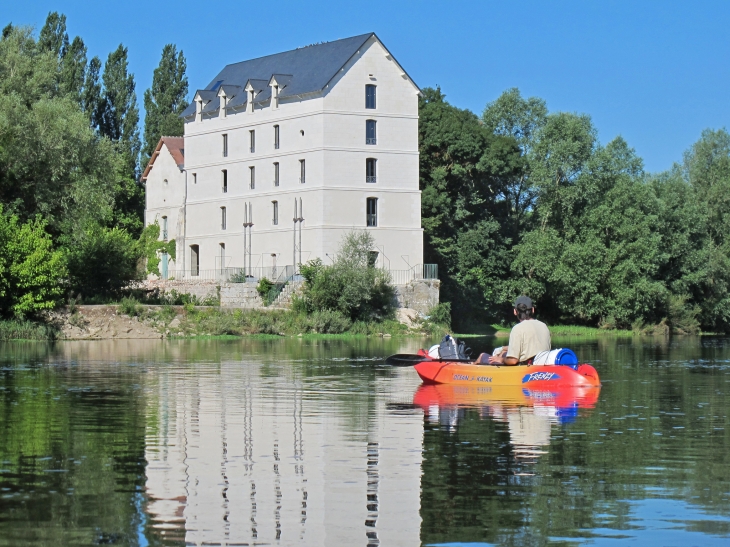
column 418, row 272
column 372, row 220
column 371, row 179
column 371, row 140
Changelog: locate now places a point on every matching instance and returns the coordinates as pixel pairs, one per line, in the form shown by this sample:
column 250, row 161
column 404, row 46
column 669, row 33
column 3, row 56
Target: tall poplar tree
column 165, row 100
column 120, row 115
column 73, row 71
column 118, row 120
column 91, row 99
column 53, row 36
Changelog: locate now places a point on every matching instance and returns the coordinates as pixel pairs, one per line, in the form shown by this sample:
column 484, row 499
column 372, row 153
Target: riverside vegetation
column 516, row 200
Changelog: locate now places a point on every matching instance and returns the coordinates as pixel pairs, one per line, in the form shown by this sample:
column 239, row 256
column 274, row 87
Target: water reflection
column 248, row 452
column 316, row 442
column 529, row 414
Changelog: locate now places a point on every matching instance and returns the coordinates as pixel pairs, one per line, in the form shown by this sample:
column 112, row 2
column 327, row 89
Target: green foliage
column 31, row 271
column 469, row 178
column 102, row 261
column 165, row 100
column 350, row 285
column 130, row 306
column 440, row 314
column 151, row 247
column 22, row 329
column 264, row 287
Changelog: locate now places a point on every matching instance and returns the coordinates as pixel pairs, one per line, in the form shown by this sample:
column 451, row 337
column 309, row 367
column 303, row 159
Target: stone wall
column 240, row 295
column 420, row 295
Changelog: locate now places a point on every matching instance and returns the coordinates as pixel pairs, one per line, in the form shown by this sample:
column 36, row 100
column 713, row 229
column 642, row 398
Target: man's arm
column 503, row 360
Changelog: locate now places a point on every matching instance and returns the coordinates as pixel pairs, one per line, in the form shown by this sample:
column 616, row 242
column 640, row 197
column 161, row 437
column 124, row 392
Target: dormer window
column 370, row 96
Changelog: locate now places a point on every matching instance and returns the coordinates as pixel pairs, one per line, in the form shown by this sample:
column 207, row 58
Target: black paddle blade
column 410, row 359
column 404, row 360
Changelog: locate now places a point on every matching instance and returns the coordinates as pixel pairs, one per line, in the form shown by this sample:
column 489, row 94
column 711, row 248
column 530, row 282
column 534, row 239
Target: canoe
column 538, row 377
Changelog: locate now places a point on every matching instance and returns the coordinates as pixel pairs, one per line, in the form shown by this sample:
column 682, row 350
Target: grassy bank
column 571, row 330
column 14, row 329
column 214, row 322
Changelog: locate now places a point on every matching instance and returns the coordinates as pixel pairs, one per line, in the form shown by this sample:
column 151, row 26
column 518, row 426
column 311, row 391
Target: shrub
column 440, row 314
column 328, row 322
column 102, row 261
column 264, row 288
column 129, row 306
column 26, row 330
column 31, row 272
column 350, row 285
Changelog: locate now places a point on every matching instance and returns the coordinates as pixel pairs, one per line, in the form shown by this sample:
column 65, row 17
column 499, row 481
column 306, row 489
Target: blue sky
column 655, row 72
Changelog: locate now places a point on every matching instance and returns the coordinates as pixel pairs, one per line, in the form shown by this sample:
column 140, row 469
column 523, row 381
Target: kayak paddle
column 409, row 359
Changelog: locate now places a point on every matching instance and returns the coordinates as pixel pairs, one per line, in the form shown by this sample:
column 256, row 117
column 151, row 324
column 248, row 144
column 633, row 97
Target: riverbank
column 131, row 320
column 573, row 330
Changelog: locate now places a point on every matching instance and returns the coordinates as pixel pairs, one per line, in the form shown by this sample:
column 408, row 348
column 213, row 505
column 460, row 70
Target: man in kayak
column 528, row 338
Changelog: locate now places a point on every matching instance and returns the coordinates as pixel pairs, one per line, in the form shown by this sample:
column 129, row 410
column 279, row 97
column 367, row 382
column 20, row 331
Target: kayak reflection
column 529, row 414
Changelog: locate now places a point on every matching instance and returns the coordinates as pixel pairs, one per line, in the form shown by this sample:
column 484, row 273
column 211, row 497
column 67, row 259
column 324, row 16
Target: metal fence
column 418, row 272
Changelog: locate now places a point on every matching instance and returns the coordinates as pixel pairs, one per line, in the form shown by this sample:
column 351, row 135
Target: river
column 301, row 441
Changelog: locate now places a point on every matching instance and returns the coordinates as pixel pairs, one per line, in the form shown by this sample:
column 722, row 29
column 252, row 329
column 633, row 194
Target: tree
column 31, row 272
column 467, row 217
column 511, row 115
column 91, row 100
column 165, row 100
column 119, row 118
column 53, row 36
column 73, row 71
column 102, row 261
column 120, row 115
column 351, row 285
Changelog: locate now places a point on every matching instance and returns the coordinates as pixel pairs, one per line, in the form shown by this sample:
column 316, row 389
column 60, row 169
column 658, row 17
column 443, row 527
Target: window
column 370, row 132
column 369, row 96
column 372, row 212
column 275, row 211
column 195, row 178
column 194, row 260
column 252, row 138
column 252, row 184
column 302, row 172
column 224, row 181
column 225, row 146
column 164, row 228
column 276, row 173
column 276, row 137
column 372, row 258
column 223, row 218
column 223, row 256
column 370, row 170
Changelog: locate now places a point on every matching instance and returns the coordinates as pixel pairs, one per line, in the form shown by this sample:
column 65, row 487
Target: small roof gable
column 176, row 147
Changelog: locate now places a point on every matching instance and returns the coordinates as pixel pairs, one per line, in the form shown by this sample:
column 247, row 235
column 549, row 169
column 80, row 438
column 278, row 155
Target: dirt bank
column 101, row 323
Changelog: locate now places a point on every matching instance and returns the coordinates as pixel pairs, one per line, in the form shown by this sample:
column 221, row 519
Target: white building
column 301, row 146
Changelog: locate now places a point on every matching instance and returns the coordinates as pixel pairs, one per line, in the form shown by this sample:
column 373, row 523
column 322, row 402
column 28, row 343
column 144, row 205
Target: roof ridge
column 300, row 48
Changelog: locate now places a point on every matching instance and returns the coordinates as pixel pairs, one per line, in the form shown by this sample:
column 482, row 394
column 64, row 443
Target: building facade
column 285, row 154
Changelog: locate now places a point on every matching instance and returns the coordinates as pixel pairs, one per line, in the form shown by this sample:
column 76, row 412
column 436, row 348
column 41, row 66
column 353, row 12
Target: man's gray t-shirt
column 527, row 339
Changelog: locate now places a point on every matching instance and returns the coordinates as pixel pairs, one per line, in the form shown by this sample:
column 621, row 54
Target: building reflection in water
column 238, row 457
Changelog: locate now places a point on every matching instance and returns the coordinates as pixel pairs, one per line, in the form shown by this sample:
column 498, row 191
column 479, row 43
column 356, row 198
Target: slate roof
column 308, row 69
column 176, row 147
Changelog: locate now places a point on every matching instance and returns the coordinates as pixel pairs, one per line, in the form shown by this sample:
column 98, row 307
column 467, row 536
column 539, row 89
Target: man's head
column 524, row 308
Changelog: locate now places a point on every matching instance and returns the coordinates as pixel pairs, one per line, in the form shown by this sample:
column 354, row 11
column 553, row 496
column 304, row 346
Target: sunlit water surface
column 317, row 442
